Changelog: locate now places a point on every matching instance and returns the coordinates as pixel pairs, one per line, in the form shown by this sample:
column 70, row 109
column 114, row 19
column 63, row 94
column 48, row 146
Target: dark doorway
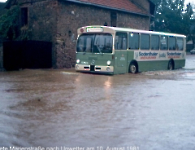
column 27, row 54
column 113, row 19
column 24, row 16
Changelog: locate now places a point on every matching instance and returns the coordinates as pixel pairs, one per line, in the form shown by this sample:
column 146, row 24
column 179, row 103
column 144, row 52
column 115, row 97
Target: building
column 2, row 11
column 57, row 21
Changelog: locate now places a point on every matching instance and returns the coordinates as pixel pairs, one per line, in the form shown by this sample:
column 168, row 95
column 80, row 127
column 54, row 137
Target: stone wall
column 57, row 21
column 42, row 21
column 72, row 16
column 133, row 21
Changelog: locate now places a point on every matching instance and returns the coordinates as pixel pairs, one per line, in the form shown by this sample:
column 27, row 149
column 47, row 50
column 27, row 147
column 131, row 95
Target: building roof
column 120, row 5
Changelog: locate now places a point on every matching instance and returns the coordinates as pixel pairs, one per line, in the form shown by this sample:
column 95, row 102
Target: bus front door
column 121, row 61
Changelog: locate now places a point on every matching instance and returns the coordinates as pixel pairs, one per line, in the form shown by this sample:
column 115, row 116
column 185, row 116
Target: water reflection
column 107, row 83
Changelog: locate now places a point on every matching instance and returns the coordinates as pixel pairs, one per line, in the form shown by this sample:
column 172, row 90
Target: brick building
column 2, row 11
column 57, row 21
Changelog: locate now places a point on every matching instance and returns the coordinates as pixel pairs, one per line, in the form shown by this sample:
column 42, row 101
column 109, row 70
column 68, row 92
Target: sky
column 189, row 1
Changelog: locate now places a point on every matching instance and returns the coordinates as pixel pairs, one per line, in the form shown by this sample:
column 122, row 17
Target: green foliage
column 24, row 33
column 9, row 23
column 171, row 16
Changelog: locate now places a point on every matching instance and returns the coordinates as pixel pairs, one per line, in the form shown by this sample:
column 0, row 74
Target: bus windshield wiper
column 99, row 49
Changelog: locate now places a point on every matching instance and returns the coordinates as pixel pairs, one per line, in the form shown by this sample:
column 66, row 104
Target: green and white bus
column 114, row 50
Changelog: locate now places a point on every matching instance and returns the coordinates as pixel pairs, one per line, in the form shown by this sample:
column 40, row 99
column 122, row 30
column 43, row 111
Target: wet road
column 146, row 111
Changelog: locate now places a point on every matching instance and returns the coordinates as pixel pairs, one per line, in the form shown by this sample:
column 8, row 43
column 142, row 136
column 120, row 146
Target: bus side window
column 116, row 42
column 145, row 41
column 124, row 43
column 134, row 41
column 172, row 43
column 121, row 41
column 155, row 42
column 163, row 43
column 180, row 44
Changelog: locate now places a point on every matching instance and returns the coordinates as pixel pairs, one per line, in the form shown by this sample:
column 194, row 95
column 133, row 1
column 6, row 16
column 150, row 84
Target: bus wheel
column 133, row 68
column 170, row 65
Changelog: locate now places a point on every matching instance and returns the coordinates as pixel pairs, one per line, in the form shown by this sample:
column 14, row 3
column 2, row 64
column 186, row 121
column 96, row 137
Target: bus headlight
column 108, row 62
column 108, row 69
column 78, row 61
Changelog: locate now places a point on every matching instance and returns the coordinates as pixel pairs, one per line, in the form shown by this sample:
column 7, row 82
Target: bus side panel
column 116, row 68
column 130, row 57
column 179, row 63
column 153, row 65
column 159, row 65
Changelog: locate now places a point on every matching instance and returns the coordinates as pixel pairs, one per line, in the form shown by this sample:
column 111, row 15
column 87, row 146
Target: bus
column 115, row 50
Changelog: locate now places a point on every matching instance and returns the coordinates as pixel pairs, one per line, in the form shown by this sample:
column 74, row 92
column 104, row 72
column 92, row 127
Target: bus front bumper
column 94, row 68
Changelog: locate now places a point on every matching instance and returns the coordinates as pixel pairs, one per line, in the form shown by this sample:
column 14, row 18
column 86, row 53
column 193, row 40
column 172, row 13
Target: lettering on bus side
column 174, row 55
column 147, row 55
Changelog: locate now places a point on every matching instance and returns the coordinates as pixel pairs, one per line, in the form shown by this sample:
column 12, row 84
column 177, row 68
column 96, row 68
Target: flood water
column 54, row 108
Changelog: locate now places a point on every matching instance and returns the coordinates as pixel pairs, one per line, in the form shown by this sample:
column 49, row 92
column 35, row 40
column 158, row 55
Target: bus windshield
column 95, row 43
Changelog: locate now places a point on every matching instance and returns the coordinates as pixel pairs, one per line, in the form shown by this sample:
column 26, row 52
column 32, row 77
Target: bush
column 9, row 24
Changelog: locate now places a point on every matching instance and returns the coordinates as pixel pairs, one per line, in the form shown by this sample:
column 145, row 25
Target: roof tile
column 124, row 5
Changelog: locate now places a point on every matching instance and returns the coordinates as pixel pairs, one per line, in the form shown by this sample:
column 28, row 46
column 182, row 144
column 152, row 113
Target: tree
column 191, row 35
column 10, row 28
column 171, row 16
column 9, row 23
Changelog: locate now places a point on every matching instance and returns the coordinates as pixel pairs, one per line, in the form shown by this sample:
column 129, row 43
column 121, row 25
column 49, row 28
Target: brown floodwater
column 54, row 108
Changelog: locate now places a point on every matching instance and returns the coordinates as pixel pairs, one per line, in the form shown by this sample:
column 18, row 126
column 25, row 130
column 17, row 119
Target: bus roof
column 134, row 30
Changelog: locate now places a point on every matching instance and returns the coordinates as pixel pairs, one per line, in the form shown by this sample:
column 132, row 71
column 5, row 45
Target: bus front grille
column 92, row 68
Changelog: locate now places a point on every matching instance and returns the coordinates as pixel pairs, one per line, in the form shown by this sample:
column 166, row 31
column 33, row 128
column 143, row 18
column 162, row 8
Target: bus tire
column 133, row 68
column 170, row 65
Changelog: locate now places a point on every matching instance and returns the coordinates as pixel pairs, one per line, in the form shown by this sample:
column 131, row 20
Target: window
column 88, row 44
column 133, row 41
column 180, row 44
column 172, row 43
column 145, row 42
column 95, row 43
column 121, row 41
column 113, row 19
column 163, row 43
column 155, row 42
column 24, row 16
column 102, row 43
column 84, row 43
